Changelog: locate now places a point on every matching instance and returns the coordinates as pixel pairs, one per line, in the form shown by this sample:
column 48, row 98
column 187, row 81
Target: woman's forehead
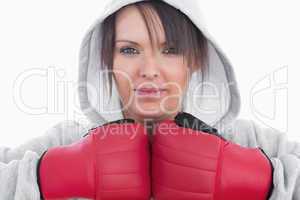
column 130, row 25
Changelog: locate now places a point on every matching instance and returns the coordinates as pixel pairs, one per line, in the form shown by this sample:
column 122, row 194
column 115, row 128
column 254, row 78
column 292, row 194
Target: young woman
column 162, row 102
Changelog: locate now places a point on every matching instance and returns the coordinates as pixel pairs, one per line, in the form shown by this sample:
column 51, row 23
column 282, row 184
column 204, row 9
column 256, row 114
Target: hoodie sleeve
column 283, row 153
column 18, row 178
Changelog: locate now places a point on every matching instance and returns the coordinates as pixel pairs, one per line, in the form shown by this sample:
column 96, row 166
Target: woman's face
column 150, row 81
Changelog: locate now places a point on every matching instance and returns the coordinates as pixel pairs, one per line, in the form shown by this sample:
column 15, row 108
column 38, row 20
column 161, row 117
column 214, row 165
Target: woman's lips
column 150, row 92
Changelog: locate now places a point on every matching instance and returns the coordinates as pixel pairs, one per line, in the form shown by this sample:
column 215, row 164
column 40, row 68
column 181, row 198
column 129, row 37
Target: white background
column 261, row 39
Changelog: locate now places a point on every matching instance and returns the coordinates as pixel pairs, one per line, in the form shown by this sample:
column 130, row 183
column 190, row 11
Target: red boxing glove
column 189, row 163
column 111, row 162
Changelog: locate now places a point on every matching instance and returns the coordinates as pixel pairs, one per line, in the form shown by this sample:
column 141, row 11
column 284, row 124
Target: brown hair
column 179, row 31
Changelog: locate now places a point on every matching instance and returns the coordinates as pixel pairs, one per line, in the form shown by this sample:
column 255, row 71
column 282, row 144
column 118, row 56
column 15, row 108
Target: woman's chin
column 152, row 115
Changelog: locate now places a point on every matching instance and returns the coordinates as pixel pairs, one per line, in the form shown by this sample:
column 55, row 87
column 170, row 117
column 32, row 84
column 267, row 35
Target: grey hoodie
column 18, row 178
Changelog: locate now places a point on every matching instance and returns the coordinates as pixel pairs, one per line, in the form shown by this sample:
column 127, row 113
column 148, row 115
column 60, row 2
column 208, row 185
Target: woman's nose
column 150, row 68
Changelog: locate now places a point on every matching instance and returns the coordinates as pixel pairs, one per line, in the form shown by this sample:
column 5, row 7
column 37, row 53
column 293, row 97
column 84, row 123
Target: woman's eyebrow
column 128, row 41
column 135, row 43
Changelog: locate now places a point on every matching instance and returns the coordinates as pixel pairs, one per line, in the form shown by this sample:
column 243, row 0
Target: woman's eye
column 128, row 50
column 171, row 50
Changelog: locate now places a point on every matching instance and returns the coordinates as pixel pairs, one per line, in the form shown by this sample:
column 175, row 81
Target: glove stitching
column 171, row 162
column 171, row 188
column 188, row 152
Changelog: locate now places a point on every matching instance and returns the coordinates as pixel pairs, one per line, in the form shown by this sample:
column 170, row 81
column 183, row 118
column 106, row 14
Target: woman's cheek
column 171, row 103
column 124, row 85
column 177, row 86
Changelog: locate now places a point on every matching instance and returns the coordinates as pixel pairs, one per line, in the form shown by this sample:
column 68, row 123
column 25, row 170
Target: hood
column 216, row 103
